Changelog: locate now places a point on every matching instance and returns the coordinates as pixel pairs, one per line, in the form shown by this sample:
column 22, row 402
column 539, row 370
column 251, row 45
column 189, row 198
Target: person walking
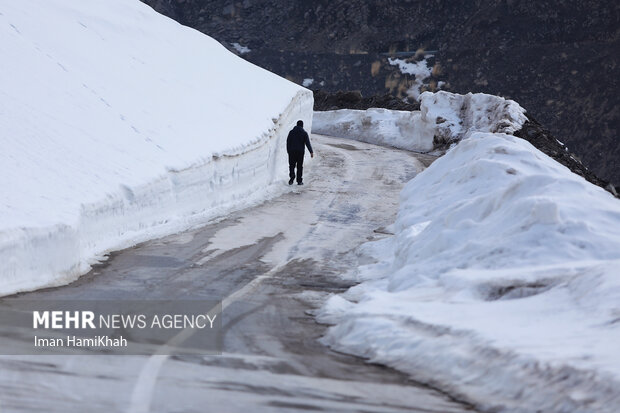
column 296, row 144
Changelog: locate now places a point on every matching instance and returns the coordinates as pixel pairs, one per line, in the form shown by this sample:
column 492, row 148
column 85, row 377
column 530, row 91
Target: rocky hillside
column 558, row 59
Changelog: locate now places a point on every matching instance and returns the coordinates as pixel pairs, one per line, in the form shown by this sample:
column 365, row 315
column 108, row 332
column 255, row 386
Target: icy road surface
column 272, row 265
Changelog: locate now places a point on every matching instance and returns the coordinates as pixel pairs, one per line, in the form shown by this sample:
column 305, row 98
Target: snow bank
column 457, row 116
column 400, row 129
column 444, row 118
column 500, row 285
column 121, row 125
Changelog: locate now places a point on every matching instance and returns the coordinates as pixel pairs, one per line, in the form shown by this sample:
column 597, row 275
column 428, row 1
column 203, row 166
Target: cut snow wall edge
column 443, row 119
column 33, row 258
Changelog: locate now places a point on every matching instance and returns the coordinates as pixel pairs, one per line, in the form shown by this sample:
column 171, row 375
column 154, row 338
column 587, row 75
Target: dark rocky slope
column 558, row 59
column 533, row 132
column 354, row 100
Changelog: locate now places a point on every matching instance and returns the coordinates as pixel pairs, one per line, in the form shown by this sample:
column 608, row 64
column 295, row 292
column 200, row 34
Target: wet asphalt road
column 272, row 265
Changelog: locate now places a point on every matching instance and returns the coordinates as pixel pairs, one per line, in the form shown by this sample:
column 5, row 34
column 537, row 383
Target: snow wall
column 500, row 284
column 443, row 118
column 120, row 125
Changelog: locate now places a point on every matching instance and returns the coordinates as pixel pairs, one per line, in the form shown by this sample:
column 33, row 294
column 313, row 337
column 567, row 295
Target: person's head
column 300, row 123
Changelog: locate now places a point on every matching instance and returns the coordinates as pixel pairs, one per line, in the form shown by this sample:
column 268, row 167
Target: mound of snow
column 443, row 118
column 120, row 125
column 456, row 116
column 500, row 285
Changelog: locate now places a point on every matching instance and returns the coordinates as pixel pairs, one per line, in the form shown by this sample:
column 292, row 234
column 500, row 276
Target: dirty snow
column 457, row 116
column 419, row 70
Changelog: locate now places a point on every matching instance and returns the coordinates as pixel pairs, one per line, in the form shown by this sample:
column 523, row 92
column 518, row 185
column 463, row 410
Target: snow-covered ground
column 501, row 281
column 119, row 125
column 443, row 118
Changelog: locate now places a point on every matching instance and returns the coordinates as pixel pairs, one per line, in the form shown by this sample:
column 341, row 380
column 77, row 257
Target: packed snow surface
column 118, row 125
column 500, row 283
column 443, row 118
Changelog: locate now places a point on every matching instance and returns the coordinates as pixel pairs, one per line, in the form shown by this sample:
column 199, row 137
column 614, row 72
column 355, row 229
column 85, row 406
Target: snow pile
column 456, row 116
column 119, row 125
column 443, row 118
column 400, row 129
column 500, row 284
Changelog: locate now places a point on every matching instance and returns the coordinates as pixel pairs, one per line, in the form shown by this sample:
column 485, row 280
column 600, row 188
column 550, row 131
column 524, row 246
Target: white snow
column 419, row 70
column 241, row 49
column 501, row 283
column 307, row 82
column 457, row 116
column 443, row 118
column 400, row 129
column 119, row 125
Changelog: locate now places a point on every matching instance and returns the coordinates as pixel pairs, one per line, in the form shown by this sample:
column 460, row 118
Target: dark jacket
column 297, row 140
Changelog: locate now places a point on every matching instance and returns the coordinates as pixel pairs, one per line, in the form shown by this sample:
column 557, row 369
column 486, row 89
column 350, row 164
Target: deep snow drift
column 443, row 118
column 119, row 125
column 500, row 283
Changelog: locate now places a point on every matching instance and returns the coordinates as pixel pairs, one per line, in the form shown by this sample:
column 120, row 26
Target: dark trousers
column 296, row 160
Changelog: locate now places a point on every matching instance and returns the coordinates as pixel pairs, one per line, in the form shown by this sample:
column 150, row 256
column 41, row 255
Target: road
column 272, row 265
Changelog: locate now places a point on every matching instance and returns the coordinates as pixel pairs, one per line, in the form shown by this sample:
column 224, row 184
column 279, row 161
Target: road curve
column 272, row 265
